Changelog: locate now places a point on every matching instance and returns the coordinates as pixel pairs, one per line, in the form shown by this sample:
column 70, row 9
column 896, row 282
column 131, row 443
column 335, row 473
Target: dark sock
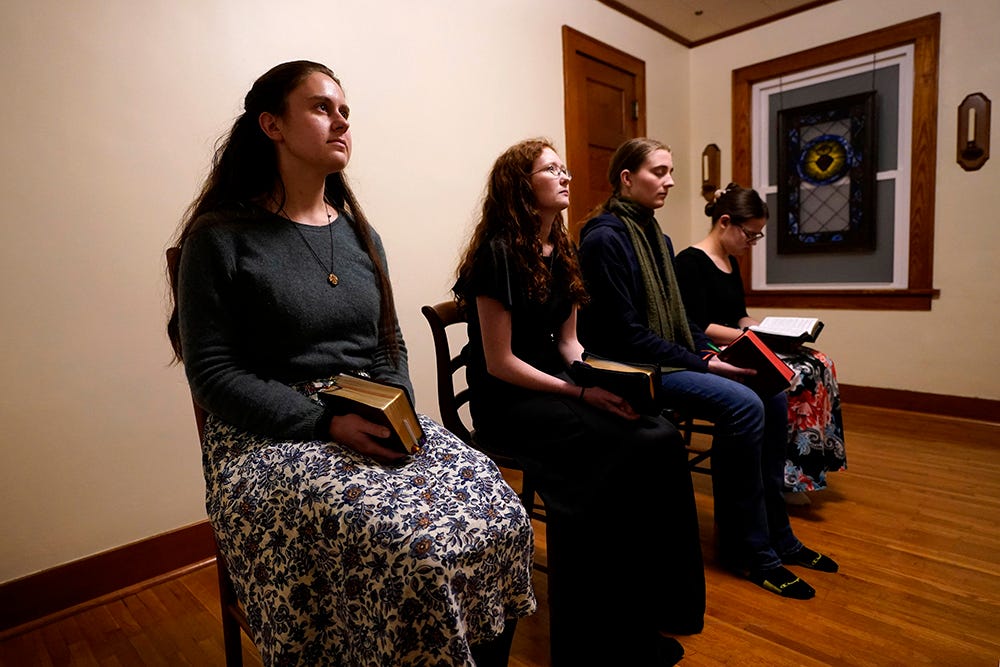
column 783, row 582
column 669, row 651
column 814, row 560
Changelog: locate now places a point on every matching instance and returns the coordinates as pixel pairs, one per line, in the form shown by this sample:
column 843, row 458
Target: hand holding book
column 604, row 400
column 636, row 383
column 787, row 334
column 380, row 403
column 748, row 351
column 728, row 370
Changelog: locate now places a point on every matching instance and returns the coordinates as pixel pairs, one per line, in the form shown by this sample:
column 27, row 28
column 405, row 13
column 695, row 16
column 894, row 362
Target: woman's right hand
column 359, row 434
column 605, row 400
column 720, row 367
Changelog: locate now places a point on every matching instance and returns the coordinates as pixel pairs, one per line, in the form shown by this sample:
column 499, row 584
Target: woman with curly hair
column 622, row 531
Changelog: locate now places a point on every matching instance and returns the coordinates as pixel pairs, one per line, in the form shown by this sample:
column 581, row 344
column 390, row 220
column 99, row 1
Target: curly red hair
column 510, row 214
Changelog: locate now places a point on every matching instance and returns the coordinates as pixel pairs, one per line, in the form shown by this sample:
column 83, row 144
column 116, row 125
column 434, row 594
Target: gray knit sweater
column 258, row 315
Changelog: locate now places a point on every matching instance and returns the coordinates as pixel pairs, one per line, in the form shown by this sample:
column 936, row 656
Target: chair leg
column 528, row 497
column 233, row 641
column 231, row 631
column 686, row 428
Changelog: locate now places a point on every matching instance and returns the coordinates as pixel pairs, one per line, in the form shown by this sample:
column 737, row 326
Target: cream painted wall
column 110, row 113
column 111, row 110
column 943, row 351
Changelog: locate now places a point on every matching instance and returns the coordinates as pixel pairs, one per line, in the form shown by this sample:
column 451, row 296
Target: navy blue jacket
column 614, row 323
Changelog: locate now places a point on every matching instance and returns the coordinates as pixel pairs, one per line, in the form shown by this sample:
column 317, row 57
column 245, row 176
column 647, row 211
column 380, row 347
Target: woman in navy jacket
column 636, row 314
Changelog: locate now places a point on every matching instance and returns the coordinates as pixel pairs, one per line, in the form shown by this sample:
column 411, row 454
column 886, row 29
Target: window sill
column 868, row 299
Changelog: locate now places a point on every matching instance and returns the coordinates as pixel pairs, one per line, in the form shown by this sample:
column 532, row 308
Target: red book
column 749, row 351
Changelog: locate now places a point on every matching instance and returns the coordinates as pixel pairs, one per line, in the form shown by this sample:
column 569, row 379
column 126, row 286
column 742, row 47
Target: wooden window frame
column 924, row 34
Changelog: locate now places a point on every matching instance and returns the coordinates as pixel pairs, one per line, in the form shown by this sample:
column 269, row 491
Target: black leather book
column 636, row 383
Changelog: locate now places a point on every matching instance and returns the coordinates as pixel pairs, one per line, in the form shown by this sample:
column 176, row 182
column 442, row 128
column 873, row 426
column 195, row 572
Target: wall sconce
column 974, row 131
column 710, row 182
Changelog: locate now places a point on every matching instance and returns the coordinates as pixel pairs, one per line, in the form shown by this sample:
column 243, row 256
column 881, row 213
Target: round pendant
column 333, row 279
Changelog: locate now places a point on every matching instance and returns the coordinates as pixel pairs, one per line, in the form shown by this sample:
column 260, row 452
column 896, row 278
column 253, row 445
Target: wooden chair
column 698, row 458
column 234, row 619
column 450, row 402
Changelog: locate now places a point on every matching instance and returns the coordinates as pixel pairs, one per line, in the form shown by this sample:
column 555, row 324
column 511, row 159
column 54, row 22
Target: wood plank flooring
column 913, row 524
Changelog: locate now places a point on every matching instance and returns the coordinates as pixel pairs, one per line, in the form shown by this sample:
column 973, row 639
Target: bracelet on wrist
column 582, row 389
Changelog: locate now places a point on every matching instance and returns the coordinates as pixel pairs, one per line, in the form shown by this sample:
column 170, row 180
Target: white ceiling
column 693, row 22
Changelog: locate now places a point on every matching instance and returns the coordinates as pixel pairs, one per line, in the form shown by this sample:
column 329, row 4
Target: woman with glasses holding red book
column 712, row 289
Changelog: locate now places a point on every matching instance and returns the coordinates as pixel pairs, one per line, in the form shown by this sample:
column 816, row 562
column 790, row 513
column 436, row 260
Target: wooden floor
column 913, row 523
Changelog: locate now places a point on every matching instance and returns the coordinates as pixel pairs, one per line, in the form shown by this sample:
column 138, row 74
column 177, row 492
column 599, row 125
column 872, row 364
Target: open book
column 636, row 383
column 749, row 351
column 380, row 403
column 786, row 334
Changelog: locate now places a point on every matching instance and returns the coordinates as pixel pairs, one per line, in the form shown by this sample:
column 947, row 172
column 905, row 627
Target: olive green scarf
column 664, row 307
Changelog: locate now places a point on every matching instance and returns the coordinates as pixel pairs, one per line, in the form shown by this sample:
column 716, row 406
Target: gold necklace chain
column 331, row 277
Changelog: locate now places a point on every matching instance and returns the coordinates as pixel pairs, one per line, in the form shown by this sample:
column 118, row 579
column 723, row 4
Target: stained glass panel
column 826, row 187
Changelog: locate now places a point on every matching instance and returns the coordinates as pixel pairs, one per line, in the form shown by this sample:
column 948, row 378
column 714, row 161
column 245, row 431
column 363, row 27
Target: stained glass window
column 827, row 161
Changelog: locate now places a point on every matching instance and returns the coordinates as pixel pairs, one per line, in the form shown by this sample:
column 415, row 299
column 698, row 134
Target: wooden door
column 605, row 98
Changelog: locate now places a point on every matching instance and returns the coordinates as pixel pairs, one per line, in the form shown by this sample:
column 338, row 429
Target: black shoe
column 814, row 560
column 783, row 582
column 668, row 651
column 691, row 627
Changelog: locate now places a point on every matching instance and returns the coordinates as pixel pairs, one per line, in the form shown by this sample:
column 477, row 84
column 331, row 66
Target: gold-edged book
column 636, row 383
column 380, row 403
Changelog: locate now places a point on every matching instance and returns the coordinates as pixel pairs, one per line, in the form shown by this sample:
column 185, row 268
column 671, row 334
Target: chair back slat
column 440, row 317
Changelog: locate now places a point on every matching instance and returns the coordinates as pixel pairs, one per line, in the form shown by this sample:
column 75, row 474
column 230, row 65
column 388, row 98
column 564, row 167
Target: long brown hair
column 510, row 214
column 245, row 170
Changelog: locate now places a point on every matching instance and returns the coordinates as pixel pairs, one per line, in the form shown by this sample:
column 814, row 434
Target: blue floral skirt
column 341, row 560
column 815, row 425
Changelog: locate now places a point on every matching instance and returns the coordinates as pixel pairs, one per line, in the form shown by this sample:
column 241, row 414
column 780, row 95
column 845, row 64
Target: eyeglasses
column 752, row 237
column 556, row 171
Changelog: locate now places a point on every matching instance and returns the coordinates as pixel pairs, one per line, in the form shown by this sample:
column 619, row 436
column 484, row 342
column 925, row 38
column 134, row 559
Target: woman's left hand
column 605, row 400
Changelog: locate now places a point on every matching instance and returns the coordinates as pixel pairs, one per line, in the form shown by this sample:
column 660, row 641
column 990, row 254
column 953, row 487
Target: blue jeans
column 748, row 459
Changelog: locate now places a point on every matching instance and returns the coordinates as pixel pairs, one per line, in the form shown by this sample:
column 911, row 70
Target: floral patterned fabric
column 815, row 425
column 339, row 560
